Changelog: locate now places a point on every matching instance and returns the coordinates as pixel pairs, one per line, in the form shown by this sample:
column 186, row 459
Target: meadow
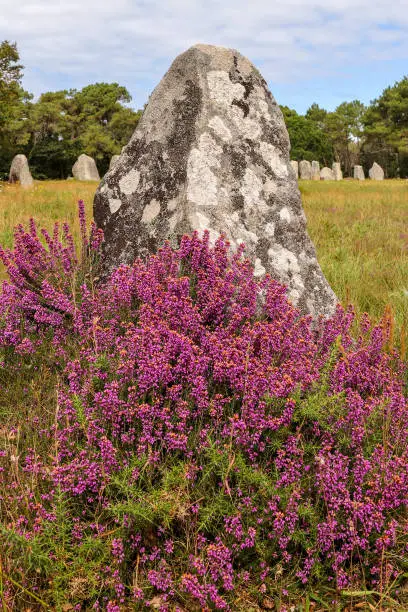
column 360, row 230
column 164, row 444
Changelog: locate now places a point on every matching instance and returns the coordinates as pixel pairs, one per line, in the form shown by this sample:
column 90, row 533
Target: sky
column 324, row 51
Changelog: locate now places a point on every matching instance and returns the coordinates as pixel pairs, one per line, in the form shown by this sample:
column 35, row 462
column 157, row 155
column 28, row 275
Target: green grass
column 360, row 231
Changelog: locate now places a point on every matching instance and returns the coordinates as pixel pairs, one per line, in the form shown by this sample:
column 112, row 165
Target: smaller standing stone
column 295, row 167
column 20, row 172
column 315, row 171
column 113, row 161
column 305, row 170
column 358, row 173
column 338, row 175
column 326, row 174
column 376, row 173
column 85, row 169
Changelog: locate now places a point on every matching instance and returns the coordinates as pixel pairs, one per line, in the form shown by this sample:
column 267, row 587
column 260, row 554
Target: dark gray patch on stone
column 236, row 77
column 243, row 106
column 236, row 160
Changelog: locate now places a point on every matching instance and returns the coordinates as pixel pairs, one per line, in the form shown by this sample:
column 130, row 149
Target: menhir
column 211, row 152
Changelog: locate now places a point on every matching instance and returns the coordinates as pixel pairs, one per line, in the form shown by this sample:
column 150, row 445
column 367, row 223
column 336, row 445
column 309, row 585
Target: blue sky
column 324, row 51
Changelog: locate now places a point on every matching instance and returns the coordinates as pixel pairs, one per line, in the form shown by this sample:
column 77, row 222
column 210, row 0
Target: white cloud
column 72, row 43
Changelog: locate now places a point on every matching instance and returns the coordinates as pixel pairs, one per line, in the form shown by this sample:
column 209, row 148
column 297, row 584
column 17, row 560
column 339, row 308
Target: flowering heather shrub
column 189, row 441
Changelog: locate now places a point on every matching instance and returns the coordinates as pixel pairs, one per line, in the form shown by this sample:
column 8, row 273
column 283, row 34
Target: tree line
column 53, row 130
column 355, row 134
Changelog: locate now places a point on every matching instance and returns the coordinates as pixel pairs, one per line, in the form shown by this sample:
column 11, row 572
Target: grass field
column 360, row 231
column 90, row 453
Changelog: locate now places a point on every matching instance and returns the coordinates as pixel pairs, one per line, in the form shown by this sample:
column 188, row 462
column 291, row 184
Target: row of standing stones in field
column 312, row 172
column 84, row 169
column 210, row 154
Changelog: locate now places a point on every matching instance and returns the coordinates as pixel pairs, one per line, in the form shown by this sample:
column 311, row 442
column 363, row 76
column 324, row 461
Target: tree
column 317, row 115
column 52, row 148
column 99, row 102
column 386, row 130
column 65, row 123
column 345, row 129
column 14, row 103
column 123, row 124
column 308, row 140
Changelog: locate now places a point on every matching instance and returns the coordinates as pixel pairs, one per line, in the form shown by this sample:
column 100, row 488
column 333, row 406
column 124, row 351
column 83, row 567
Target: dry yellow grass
column 360, row 231
column 47, row 202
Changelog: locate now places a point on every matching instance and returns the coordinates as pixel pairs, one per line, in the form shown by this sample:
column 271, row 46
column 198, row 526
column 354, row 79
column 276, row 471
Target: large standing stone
column 326, row 174
column 211, row 152
column 338, row 174
column 305, row 170
column 85, row 169
column 376, row 173
column 358, row 173
column 315, row 171
column 295, row 168
column 20, row 172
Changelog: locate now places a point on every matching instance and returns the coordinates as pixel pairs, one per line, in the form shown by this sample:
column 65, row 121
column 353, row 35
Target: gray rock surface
column 338, row 174
column 358, row 173
column 20, row 172
column 305, row 170
column 376, row 173
column 295, row 168
column 85, row 169
column 315, row 171
column 113, row 161
column 326, row 174
column 211, row 152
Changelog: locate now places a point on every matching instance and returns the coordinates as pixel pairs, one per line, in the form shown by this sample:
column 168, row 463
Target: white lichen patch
column 172, row 204
column 221, row 88
column 283, row 259
column 262, row 104
column 247, row 127
column 270, row 187
column 272, row 157
column 114, row 205
column 269, row 229
column 259, row 270
column 224, row 200
column 202, row 183
column 175, row 219
column 201, row 223
column 310, row 305
column 284, row 214
column 251, row 191
column 220, row 129
column 151, row 211
column 238, row 233
column 287, row 265
column 210, row 150
column 294, row 296
column 129, row 183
